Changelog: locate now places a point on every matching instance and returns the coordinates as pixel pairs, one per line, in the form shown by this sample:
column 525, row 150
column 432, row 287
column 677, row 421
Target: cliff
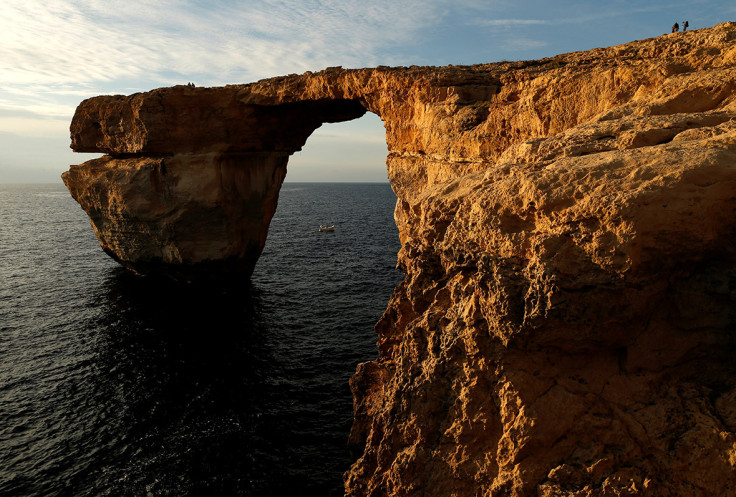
column 566, row 323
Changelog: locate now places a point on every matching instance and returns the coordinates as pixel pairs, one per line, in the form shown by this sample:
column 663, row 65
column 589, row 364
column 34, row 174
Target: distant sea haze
column 114, row 385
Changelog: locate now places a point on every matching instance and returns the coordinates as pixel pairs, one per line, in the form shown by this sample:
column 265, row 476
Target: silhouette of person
column 675, row 28
column 684, row 26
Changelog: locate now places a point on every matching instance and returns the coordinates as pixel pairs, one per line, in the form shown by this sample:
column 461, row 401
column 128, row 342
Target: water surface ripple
column 114, row 385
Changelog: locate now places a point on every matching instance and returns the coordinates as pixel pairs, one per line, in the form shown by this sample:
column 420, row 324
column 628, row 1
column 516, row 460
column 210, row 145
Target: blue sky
column 55, row 53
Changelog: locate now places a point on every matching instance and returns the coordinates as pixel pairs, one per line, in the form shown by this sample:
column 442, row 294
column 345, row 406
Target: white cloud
column 53, row 53
column 88, row 41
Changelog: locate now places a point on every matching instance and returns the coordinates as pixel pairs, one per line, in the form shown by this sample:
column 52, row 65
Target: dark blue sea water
column 113, row 385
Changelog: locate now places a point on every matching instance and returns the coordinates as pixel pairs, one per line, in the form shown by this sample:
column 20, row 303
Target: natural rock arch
column 565, row 326
column 192, row 176
column 195, row 203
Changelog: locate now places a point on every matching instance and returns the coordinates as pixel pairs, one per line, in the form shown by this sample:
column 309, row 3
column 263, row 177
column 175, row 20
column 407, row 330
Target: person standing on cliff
column 675, row 28
column 684, row 26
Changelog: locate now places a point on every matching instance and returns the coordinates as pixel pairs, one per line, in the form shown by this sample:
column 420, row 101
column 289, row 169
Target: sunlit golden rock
column 567, row 322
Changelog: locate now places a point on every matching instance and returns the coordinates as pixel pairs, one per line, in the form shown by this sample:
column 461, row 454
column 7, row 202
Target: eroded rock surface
column 566, row 326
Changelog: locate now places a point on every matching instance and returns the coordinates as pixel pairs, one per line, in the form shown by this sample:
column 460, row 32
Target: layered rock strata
column 566, row 326
column 192, row 177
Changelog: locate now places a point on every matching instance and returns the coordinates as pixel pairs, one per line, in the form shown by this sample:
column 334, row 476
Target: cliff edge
column 566, row 323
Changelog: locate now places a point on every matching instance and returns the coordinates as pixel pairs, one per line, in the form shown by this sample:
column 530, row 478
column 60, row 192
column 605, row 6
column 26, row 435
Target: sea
column 117, row 385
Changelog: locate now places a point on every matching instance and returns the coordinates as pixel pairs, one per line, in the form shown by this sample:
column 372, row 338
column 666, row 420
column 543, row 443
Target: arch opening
column 349, row 151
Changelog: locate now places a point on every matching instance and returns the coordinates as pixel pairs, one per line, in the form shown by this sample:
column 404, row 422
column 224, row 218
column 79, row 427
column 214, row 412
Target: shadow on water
column 119, row 386
column 202, row 402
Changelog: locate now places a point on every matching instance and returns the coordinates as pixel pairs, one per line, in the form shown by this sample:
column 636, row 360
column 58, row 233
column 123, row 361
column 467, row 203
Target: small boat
column 326, row 228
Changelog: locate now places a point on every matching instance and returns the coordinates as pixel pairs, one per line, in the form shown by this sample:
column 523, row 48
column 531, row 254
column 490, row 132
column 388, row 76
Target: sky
column 55, row 53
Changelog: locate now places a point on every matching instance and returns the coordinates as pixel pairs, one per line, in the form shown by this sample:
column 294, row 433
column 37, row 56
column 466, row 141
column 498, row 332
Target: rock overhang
column 181, row 119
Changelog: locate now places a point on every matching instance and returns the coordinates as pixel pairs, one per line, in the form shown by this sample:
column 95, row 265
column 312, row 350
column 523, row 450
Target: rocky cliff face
column 566, row 326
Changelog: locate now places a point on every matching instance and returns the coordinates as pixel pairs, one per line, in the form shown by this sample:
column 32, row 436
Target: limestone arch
column 192, row 175
column 186, row 205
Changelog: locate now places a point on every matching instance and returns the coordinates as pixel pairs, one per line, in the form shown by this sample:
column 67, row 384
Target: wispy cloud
column 585, row 14
column 510, row 22
column 519, row 44
column 50, row 49
column 54, row 53
column 83, row 41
